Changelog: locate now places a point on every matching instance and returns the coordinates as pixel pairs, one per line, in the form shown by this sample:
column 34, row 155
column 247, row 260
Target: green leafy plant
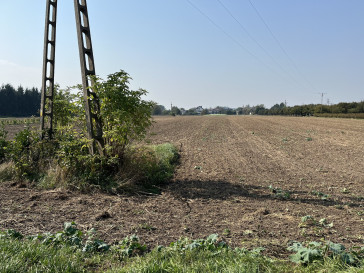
column 226, row 232
column 30, row 155
column 280, row 193
column 211, row 243
column 306, row 254
column 323, row 196
column 303, row 254
column 11, row 233
column 130, row 246
column 72, row 236
column 125, row 115
column 67, row 107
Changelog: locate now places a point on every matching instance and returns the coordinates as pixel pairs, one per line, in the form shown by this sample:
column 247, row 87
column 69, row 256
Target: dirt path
column 222, row 186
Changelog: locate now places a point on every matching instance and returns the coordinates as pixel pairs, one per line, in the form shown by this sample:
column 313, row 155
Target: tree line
column 349, row 109
column 22, row 102
column 313, row 109
column 19, row 102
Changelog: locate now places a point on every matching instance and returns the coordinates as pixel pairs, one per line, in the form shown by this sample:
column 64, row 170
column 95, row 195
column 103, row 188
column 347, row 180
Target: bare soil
column 222, row 185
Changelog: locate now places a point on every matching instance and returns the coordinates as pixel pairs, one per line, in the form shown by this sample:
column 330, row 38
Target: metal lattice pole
column 92, row 104
column 46, row 108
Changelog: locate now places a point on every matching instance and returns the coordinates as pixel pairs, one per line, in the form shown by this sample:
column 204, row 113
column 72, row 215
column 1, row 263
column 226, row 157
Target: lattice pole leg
column 92, row 104
column 46, row 107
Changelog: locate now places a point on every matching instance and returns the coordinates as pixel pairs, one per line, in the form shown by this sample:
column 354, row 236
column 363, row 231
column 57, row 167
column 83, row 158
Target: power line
column 280, row 45
column 261, row 47
column 228, row 35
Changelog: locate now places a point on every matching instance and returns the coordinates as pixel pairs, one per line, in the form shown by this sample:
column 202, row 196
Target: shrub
column 125, row 115
column 66, row 159
column 3, row 143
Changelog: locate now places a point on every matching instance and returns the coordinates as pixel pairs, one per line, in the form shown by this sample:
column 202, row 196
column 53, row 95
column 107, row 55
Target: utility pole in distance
column 322, row 99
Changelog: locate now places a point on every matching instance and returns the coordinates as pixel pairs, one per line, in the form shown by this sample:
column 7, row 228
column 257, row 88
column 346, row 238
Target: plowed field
column 250, row 179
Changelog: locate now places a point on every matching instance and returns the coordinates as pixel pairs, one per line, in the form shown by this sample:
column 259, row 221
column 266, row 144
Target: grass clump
column 66, row 251
column 31, row 256
column 160, row 167
column 147, row 167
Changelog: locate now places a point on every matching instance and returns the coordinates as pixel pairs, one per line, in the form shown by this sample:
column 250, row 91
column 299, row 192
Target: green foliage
column 279, row 193
column 30, row 155
column 175, row 111
column 66, row 107
column 303, row 254
column 72, row 250
column 11, row 234
column 150, row 166
column 73, row 237
column 19, row 102
column 160, row 166
column 322, row 196
column 47, row 253
column 18, row 121
column 66, row 159
column 81, row 168
column 317, row 251
column 129, row 247
column 3, row 143
column 158, row 110
column 211, row 243
column 125, row 115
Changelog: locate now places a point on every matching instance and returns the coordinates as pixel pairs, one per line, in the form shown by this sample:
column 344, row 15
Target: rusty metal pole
column 91, row 100
column 46, row 107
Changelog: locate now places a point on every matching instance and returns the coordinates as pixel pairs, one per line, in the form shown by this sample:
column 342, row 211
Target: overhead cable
column 280, row 45
column 261, row 47
column 228, row 35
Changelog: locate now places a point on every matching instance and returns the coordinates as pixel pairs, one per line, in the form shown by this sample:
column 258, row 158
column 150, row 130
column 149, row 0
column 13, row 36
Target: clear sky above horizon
column 200, row 52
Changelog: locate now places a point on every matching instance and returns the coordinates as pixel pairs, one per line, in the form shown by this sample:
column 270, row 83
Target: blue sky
column 200, row 52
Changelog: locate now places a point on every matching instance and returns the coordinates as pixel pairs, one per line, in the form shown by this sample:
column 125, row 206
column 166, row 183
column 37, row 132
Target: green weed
column 279, row 193
column 318, row 251
column 320, row 194
column 72, row 250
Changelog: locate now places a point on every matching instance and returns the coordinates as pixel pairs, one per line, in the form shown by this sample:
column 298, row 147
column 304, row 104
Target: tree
column 204, row 112
column 19, row 102
column 158, row 110
column 175, row 111
column 260, row 110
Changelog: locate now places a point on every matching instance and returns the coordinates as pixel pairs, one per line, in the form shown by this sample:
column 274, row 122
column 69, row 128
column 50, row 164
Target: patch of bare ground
column 315, row 167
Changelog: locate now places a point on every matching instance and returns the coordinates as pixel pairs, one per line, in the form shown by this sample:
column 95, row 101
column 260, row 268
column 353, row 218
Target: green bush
column 66, row 160
column 124, row 114
column 3, row 143
column 30, row 155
